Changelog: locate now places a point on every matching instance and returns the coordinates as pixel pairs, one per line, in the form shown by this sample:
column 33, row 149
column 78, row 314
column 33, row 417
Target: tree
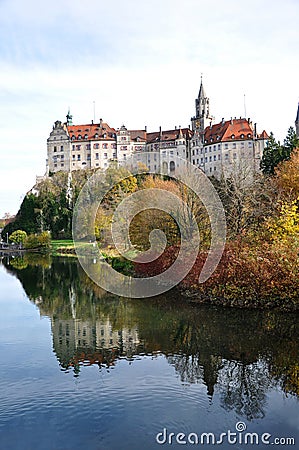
column 18, row 237
column 290, row 142
column 287, row 177
column 273, row 154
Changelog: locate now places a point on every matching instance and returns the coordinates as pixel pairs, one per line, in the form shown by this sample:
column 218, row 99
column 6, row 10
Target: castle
column 216, row 148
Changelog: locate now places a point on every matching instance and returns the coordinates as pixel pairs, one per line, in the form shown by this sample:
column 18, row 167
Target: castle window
column 61, row 148
column 73, row 147
column 55, row 165
column 78, row 146
column 105, row 155
column 210, row 159
column 96, row 145
column 214, row 168
column 55, row 148
column 219, row 156
column 88, row 156
column 62, row 164
column 214, row 148
column 210, row 169
column 87, row 146
column 62, row 157
column 249, row 144
column 214, row 157
column 226, row 156
column 123, row 138
column 206, row 159
column 97, row 156
column 201, row 160
column 225, row 145
column 124, row 147
column 219, row 146
column 114, row 155
column 234, row 145
column 74, row 156
column 193, row 161
column 235, row 155
column 79, row 157
column 105, row 145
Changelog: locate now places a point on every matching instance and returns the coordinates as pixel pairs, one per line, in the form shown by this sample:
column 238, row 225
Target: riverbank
column 259, row 279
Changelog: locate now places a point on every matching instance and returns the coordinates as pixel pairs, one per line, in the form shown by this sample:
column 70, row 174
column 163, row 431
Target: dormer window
column 104, row 135
column 233, row 136
column 86, row 136
column 96, row 135
column 79, row 137
column 249, row 135
column 242, row 136
column 73, row 138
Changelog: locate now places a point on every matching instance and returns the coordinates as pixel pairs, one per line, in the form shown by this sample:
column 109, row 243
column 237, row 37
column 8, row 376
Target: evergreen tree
column 273, row 154
column 291, row 141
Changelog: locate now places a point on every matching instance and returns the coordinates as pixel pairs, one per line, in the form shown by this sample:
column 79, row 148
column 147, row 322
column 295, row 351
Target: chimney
column 145, row 128
column 255, row 133
column 222, row 121
column 101, row 121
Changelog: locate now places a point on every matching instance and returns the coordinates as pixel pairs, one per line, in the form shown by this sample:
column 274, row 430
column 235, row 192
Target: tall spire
column 201, row 94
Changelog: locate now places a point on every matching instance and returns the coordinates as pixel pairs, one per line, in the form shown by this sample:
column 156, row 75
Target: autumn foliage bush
column 265, row 275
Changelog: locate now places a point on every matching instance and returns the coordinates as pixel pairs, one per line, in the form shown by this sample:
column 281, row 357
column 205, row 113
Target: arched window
column 172, row 166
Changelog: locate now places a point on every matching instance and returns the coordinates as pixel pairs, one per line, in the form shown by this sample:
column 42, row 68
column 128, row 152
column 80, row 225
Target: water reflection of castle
column 76, row 340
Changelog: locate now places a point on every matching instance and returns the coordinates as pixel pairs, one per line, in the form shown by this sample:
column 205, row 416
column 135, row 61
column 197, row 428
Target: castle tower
column 202, row 116
column 297, row 122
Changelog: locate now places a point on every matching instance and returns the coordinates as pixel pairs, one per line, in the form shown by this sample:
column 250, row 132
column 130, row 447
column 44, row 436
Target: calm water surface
column 84, row 369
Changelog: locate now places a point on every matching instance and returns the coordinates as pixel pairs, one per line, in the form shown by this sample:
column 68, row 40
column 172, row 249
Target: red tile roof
column 169, row 135
column 235, row 129
column 90, row 131
column 138, row 135
column 263, row 135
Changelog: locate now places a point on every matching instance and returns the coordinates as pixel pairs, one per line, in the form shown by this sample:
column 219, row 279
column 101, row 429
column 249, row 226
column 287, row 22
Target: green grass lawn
column 59, row 243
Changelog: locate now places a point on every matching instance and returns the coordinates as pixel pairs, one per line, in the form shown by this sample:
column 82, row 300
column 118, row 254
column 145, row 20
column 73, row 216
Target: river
column 82, row 368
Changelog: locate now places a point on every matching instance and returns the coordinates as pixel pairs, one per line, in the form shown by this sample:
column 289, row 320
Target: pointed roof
column 201, row 93
column 297, row 117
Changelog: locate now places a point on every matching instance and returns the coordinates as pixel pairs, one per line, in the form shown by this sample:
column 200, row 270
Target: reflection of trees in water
column 236, row 353
column 243, row 387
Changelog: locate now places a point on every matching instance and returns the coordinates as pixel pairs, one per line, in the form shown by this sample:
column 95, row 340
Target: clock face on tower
column 197, row 123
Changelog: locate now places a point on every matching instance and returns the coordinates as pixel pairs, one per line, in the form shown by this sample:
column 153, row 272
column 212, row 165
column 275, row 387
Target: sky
column 138, row 63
